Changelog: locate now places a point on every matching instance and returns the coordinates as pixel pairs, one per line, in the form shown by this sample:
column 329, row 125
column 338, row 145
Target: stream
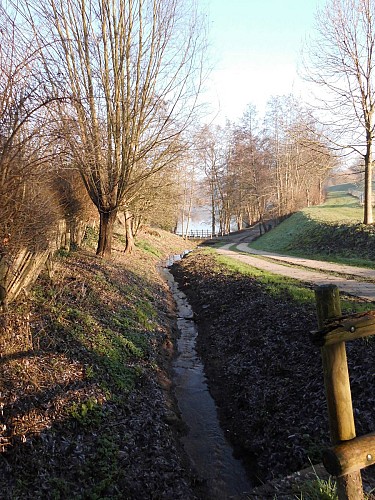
column 205, row 443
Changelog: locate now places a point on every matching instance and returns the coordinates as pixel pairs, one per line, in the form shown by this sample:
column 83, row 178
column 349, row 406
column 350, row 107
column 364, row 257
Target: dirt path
column 280, row 264
column 265, row 374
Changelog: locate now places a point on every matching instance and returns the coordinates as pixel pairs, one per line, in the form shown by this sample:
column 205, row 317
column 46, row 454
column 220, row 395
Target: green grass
column 276, row 285
column 114, row 340
column 144, row 245
column 331, row 232
column 318, row 489
column 339, row 207
column 114, row 353
column 281, row 286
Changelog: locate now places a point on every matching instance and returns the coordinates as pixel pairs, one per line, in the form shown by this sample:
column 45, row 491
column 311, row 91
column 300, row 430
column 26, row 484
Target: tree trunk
column 77, row 231
column 307, row 197
column 107, row 221
column 367, row 218
column 129, row 235
column 239, row 222
column 213, row 217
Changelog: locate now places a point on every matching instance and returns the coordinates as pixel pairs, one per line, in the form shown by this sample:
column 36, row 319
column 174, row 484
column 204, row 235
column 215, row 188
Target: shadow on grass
column 262, row 368
column 66, row 405
column 354, row 204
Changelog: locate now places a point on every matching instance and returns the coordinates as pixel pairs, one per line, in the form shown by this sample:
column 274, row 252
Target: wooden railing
column 349, row 454
column 197, row 233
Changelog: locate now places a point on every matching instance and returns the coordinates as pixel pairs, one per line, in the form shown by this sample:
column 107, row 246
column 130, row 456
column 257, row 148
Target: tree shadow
column 66, row 405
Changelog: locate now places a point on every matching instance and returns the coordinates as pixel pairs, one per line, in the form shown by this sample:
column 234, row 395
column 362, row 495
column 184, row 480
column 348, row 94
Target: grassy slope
column 80, row 358
column 332, row 231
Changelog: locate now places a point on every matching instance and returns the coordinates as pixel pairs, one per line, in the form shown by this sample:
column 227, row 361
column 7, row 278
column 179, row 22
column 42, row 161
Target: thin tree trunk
column 190, row 206
column 186, row 234
column 307, row 197
column 129, row 235
column 368, row 218
column 213, row 218
column 239, row 221
column 77, row 231
column 107, row 220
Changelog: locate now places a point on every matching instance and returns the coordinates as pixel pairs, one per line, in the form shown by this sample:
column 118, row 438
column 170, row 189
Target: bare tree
column 211, row 144
column 187, row 180
column 30, row 211
column 155, row 204
column 26, row 142
column 251, row 162
column 131, row 70
column 301, row 159
column 262, row 173
column 342, row 63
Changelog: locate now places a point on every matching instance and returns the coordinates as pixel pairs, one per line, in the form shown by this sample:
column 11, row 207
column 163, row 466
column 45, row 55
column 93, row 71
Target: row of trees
column 97, row 100
column 258, row 174
column 101, row 89
column 256, row 171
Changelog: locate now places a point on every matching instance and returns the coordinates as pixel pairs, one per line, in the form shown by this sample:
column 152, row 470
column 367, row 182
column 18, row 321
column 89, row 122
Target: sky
column 255, row 51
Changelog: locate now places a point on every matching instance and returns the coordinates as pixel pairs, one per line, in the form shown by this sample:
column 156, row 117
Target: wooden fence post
column 336, row 379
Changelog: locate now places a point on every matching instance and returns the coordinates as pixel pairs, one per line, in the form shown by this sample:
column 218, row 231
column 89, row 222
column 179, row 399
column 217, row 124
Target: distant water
column 200, row 219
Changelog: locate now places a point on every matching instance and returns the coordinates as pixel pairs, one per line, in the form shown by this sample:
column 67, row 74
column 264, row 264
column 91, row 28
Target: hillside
column 329, row 231
column 84, row 385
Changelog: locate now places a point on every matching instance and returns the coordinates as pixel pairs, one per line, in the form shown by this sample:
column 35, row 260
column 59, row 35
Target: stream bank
column 263, row 372
column 205, row 442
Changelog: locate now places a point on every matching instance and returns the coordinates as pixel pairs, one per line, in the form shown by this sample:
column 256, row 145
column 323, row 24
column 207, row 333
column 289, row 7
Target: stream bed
column 205, row 443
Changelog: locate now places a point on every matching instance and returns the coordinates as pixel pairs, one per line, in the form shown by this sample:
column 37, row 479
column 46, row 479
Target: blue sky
column 255, row 49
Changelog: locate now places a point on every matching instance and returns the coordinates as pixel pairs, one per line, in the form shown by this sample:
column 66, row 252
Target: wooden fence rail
column 349, row 454
column 197, row 233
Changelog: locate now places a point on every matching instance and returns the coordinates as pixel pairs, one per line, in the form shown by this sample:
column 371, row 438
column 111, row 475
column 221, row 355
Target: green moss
column 88, row 413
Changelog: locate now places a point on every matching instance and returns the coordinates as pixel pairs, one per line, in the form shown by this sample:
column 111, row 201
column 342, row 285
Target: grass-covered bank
column 278, row 286
column 264, row 372
column 332, row 231
column 84, row 384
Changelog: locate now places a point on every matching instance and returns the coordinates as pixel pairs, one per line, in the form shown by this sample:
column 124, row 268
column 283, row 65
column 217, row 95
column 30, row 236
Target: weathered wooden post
column 336, row 379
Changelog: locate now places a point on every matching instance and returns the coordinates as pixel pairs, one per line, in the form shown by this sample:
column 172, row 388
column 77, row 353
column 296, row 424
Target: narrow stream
column 205, row 443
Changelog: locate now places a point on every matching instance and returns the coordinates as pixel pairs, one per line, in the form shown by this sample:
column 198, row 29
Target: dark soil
column 86, row 408
column 263, row 371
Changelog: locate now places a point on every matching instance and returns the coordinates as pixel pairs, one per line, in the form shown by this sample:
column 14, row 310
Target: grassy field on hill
column 331, row 231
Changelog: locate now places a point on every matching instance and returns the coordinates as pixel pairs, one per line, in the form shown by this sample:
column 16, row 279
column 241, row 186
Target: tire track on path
column 363, row 290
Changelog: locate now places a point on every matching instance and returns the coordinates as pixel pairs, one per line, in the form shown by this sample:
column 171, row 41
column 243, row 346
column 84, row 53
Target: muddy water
column 205, row 442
